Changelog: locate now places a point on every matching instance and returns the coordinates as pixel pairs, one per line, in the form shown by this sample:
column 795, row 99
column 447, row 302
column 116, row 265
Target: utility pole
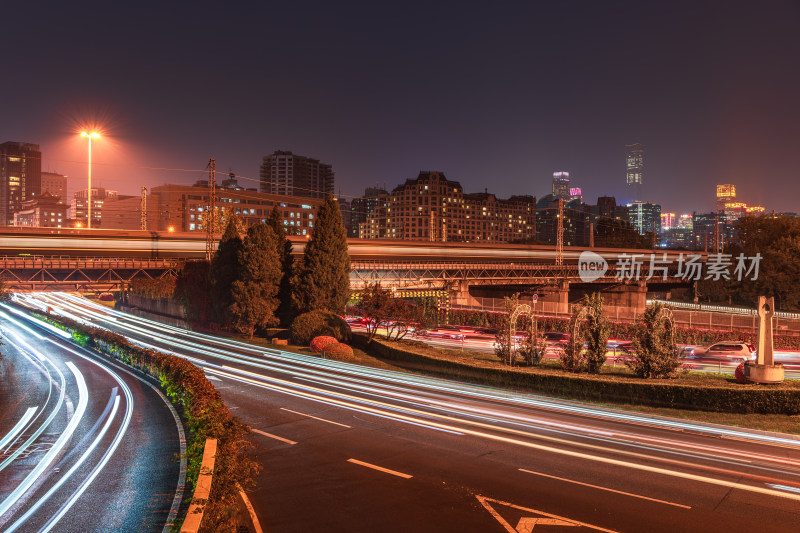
column 591, row 234
column 560, row 234
column 143, row 209
column 212, row 208
column 716, row 233
column 654, row 234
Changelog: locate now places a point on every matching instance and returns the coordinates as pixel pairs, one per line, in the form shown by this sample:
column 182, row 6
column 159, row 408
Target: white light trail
column 11, row 435
column 51, row 454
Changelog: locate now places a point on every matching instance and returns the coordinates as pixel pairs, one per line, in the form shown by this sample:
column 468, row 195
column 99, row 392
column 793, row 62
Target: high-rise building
column 285, row 173
column 55, row 184
column 20, row 177
column 634, row 169
column 645, row 217
column 561, row 185
column 575, row 223
column 726, row 193
column 668, row 221
column 433, row 208
column 362, row 208
column 711, row 231
column 80, row 205
column 606, row 206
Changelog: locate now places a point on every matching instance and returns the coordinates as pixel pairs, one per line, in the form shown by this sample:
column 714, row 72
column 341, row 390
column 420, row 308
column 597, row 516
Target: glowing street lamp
column 90, row 136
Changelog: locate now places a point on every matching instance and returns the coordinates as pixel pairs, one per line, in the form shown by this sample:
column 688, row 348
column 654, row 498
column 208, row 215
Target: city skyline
column 507, row 105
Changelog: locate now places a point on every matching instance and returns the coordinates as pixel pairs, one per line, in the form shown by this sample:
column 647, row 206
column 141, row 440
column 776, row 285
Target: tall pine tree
column 255, row 295
column 225, row 269
column 284, row 312
column 323, row 279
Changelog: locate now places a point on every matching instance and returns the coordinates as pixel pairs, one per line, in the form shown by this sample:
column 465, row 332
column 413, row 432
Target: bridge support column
column 459, row 295
column 632, row 298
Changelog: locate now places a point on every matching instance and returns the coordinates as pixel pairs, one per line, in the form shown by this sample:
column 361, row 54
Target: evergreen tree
column 654, row 343
column 284, row 312
column 255, row 294
column 225, row 269
column 323, row 279
column 596, row 334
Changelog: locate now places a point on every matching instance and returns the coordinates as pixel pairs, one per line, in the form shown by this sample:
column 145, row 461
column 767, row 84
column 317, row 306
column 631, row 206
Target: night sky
column 494, row 95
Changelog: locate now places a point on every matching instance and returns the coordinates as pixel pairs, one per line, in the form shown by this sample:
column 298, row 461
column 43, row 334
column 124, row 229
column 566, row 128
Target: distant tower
column 634, row 166
column 726, row 194
column 560, row 185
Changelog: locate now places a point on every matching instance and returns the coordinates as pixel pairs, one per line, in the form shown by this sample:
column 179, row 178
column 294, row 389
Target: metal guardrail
column 722, row 309
column 684, row 317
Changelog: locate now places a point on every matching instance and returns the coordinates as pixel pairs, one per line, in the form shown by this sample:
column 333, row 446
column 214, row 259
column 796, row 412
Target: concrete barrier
column 203, row 489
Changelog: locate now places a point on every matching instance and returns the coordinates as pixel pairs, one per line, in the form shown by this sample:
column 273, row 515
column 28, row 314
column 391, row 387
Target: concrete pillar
column 632, row 298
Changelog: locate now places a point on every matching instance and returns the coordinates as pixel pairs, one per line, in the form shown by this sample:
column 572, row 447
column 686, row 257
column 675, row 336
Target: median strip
column 605, row 489
column 380, row 468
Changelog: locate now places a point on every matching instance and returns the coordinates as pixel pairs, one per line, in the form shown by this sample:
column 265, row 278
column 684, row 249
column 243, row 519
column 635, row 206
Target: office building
column 561, row 185
column 185, row 208
column 645, row 217
column 361, row 208
column 20, row 177
column 726, row 193
column 55, row 184
column 576, row 222
column 42, row 211
column 711, row 232
column 634, row 170
column 80, row 205
column 287, row 174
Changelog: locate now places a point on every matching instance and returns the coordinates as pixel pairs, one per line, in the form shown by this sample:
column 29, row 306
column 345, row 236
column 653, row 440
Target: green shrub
column 338, row 351
column 315, row 323
column 318, row 344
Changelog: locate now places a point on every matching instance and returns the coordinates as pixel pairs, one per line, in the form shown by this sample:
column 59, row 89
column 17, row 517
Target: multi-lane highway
column 84, row 444
column 349, row 448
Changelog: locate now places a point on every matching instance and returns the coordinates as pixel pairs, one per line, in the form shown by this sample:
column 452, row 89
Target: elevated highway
column 80, row 259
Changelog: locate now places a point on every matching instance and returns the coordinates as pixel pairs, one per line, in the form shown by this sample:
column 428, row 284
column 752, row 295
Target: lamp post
column 90, row 136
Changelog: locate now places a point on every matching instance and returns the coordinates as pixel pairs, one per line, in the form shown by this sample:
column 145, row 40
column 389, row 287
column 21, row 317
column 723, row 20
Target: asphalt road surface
column 349, row 448
column 84, row 444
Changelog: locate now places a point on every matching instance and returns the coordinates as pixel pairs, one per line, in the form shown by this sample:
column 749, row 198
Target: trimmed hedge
column 316, row 323
column 318, row 344
column 339, row 351
column 732, row 398
column 203, row 409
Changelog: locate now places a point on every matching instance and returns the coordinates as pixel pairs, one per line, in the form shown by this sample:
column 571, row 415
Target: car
column 734, row 351
column 556, row 337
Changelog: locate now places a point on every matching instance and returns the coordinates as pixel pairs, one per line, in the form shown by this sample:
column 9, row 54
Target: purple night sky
column 495, row 95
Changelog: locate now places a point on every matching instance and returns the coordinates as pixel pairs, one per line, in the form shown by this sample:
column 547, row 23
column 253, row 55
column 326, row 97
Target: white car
column 734, row 351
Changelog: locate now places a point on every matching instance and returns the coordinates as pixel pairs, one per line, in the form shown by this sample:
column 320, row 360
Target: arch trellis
column 516, row 312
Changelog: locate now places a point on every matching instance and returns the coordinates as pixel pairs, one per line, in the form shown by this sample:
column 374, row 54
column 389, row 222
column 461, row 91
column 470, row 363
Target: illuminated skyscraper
column 725, row 194
column 634, row 166
column 561, row 185
column 20, row 177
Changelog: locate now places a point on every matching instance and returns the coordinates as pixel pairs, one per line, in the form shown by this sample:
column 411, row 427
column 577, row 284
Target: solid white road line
column 604, row 488
column 11, row 435
column 376, row 467
column 270, row 435
column 253, row 517
column 315, row 417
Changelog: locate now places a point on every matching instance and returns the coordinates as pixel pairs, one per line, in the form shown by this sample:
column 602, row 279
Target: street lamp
column 90, row 136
